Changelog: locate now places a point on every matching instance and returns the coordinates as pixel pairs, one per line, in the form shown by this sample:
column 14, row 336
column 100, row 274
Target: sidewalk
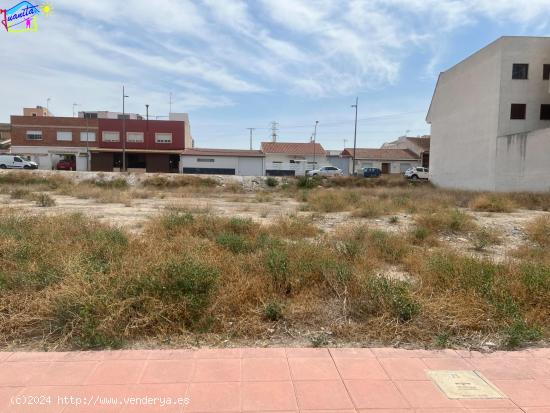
column 383, row 380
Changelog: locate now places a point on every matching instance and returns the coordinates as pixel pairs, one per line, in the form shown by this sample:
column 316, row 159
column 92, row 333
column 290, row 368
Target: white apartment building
column 490, row 119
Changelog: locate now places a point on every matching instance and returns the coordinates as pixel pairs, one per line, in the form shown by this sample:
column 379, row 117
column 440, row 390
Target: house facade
column 389, row 161
column 292, row 158
column 97, row 143
column 223, row 162
column 419, row 145
column 490, row 119
column 5, row 137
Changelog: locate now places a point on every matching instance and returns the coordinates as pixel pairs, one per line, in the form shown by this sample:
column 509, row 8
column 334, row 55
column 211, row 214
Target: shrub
column 392, row 248
column 369, row 210
column 20, row 193
column 393, row 220
column 519, row 333
column 492, row 203
column 273, row 311
column 484, row 237
column 308, row 182
column 236, row 243
column 420, row 233
column 102, row 182
column 394, row 295
column 160, row 181
column 327, row 201
column 173, row 220
column 271, row 181
column 278, row 265
column 44, row 200
column 538, row 230
column 447, row 220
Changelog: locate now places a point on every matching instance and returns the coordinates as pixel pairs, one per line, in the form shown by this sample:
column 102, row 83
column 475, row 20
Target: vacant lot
column 105, row 260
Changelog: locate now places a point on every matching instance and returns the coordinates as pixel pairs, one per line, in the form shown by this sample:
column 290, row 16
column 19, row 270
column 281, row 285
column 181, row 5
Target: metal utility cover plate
column 465, row 384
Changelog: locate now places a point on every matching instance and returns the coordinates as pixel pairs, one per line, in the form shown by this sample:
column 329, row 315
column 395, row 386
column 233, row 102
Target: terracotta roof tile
column 293, row 148
column 423, row 142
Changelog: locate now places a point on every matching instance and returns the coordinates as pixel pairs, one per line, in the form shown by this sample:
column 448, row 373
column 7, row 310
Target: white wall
column 523, row 162
column 241, row 165
column 47, row 157
column 464, row 120
column 395, row 166
column 300, row 168
column 533, row 91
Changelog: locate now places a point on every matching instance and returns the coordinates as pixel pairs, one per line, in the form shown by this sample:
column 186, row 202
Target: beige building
column 37, row 111
column 389, row 161
column 419, row 145
column 293, row 158
column 490, row 119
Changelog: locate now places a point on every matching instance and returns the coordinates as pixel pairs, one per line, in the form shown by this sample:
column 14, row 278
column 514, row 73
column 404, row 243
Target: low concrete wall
column 523, row 162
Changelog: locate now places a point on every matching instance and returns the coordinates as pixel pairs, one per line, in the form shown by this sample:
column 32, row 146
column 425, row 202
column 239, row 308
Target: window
column 64, row 136
column 518, row 110
column 134, row 137
column 111, row 137
column 545, row 72
column 34, row 135
column 87, row 136
column 17, row 159
column 89, row 115
column 163, row 137
column 34, row 115
column 520, row 71
column 544, row 112
column 123, row 116
column 205, row 160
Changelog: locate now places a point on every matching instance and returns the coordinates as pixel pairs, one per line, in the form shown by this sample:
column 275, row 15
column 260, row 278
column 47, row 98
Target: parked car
column 418, row 172
column 66, row 165
column 325, row 171
column 16, row 162
column 371, row 172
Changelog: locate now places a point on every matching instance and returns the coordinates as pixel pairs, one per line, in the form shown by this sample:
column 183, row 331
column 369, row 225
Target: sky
column 235, row 64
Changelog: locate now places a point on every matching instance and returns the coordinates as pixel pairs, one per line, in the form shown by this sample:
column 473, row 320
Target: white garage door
column 250, row 167
column 404, row 166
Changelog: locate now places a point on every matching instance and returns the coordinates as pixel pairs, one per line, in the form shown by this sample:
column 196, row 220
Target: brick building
column 96, row 144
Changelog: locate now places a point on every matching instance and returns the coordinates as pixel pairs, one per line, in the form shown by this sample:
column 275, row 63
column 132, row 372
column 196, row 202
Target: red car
column 66, row 165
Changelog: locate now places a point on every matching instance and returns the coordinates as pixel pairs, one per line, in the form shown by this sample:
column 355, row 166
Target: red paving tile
column 525, row 393
column 20, row 373
column 168, row 371
column 313, row 369
column 322, row 395
column 117, row 372
column 265, row 369
column 217, row 370
column 273, row 380
column 405, row 368
column 268, row 396
column 64, row 373
column 425, row 394
column 360, row 368
column 214, row 397
column 375, row 394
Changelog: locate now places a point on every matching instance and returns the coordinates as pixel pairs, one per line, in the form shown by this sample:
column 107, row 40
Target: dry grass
column 69, row 282
column 492, row 203
column 197, row 276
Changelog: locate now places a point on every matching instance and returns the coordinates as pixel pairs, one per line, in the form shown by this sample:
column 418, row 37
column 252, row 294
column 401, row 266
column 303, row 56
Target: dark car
column 371, row 172
column 66, row 165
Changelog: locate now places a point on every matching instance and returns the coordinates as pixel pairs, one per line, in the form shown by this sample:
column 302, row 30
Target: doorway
column 385, row 167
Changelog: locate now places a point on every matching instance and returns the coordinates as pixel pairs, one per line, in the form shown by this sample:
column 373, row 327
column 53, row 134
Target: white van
column 16, row 162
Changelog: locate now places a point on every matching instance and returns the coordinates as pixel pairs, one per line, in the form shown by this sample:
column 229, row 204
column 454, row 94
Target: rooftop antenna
column 274, row 129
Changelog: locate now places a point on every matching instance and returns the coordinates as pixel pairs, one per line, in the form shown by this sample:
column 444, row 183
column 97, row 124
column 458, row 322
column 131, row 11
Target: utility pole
column 123, row 131
column 345, row 141
column 251, row 130
column 274, row 130
column 147, row 117
column 314, row 139
column 48, row 106
column 355, row 134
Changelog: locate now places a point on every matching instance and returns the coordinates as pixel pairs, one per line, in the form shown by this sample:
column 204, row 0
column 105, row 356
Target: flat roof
column 223, row 152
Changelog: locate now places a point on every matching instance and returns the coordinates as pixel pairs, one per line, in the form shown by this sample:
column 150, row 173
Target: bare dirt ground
column 132, row 216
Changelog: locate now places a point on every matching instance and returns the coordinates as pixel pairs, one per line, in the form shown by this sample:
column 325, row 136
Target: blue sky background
column 238, row 64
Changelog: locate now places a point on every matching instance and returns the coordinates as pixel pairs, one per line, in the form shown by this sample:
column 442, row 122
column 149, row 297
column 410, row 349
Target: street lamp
column 74, row 106
column 124, row 96
column 314, row 139
column 355, row 134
